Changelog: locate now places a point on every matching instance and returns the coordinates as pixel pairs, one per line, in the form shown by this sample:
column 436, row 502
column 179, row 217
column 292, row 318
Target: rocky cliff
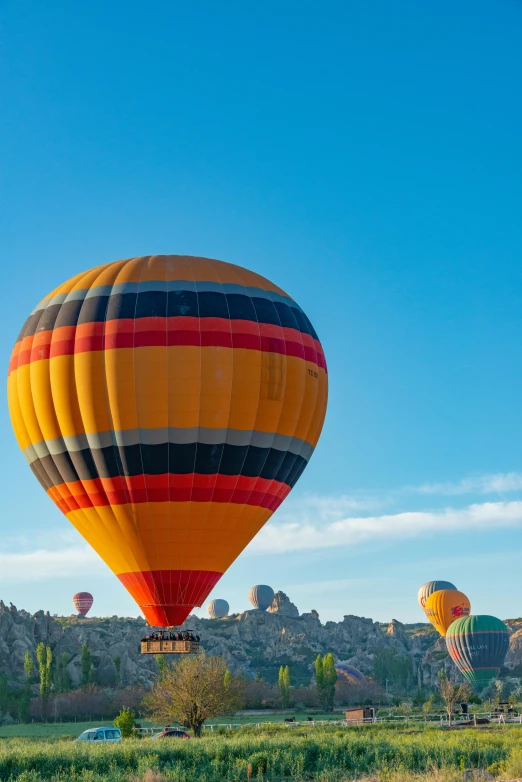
column 254, row 641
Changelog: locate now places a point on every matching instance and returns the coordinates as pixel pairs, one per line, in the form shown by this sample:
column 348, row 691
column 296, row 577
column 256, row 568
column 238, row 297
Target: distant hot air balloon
column 217, row 609
column 83, row 601
column 348, row 673
column 444, row 606
column 478, row 646
column 429, row 587
column 168, row 405
column 261, row 596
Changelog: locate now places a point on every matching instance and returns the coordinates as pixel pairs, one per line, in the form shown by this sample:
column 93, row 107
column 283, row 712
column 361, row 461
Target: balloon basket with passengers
column 168, row 642
column 168, row 404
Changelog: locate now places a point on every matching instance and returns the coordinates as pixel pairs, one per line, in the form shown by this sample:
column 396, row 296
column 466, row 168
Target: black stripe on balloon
column 250, row 461
column 148, row 304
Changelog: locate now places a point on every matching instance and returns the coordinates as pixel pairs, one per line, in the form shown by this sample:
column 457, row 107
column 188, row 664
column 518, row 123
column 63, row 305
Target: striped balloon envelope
column 429, row 588
column 261, row 596
column 478, row 646
column 168, row 405
column 83, row 601
column 218, row 608
column 347, row 673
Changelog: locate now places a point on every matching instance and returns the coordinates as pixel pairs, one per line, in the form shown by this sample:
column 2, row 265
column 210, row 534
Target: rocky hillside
column 254, row 641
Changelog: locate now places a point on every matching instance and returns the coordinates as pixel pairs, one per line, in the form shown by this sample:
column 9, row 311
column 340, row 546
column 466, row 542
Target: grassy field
column 73, row 729
column 325, row 754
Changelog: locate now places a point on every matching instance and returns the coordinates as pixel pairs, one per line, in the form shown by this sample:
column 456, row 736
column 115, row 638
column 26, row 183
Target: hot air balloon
column 348, row 673
column 83, row 601
column 168, row 404
column 217, row 609
column 444, row 606
column 429, row 587
column 478, row 646
column 261, row 596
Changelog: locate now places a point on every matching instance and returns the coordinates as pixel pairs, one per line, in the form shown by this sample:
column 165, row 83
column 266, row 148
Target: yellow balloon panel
column 444, row 606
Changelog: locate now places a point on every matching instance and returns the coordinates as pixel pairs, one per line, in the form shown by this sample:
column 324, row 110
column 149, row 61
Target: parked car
column 173, row 733
column 100, row 734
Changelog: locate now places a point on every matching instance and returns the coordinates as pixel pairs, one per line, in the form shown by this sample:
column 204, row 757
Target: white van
column 100, row 734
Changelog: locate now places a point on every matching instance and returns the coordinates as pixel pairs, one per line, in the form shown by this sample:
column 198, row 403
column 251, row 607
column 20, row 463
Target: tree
column 286, row 678
column 319, row 674
column 4, row 693
column 193, row 691
column 117, row 665
column 125, row 722
column 405, row 709
column 427, row 707
column 162, row 661
column 330, row 677
column 24, row 702
column 325, row 679
column 57, row 678
column 451, row 693
column 44, row 657
column 284, row 685
column 25, row 697
column 62, row 682
column 66, row 679
column 28, row 666
column 499, row 691
column 86, row 664
column 388, row 665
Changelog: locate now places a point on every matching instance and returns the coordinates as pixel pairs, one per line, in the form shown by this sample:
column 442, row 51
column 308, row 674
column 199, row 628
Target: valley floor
column 323, row 754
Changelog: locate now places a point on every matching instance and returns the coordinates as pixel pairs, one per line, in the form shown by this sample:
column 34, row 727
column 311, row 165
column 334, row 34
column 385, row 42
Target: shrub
column 125, row 722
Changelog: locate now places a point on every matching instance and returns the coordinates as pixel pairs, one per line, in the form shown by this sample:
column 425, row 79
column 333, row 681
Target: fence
column 435, row 719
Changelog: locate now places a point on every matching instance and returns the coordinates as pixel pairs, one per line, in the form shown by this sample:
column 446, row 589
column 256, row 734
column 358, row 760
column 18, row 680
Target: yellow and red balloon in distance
column 444, row 606
column 168, row 404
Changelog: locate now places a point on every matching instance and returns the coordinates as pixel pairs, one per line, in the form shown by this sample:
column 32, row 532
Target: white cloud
column 56, row 563
column 484, row 484
column 325, row 509
column 309, row 522
column 348, row 532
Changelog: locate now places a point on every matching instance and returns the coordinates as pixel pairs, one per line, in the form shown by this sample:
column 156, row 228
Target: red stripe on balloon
column 167, row 597
column 236, row 489
column 167, row 332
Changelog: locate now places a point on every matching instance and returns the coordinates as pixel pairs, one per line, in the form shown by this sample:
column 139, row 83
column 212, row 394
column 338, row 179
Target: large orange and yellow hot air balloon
column 444, row 606
column 168, row 404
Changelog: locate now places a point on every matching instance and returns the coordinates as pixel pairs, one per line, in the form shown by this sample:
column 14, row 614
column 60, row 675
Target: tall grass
column 325, row 755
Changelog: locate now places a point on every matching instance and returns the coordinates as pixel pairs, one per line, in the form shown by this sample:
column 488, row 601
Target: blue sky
column 367, row 159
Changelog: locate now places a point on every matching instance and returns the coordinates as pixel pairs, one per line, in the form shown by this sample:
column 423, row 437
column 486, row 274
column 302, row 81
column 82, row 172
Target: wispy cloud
column 498, row 483
column 50, row 563
column 309, row 522
column 330, row 508
column 321, row 508
column 352, row 531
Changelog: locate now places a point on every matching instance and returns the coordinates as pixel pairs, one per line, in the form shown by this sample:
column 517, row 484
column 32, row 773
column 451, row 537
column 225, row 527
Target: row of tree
column 55, row 678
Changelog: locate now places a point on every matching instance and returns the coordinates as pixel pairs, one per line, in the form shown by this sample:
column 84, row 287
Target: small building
column 360, row 714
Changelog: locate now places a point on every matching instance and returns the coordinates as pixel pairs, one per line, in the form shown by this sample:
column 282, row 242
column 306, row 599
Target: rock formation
column 253, row 641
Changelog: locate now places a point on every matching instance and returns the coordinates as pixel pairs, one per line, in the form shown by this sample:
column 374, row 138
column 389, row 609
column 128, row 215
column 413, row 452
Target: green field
column 50, row 730
column 322, row 754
